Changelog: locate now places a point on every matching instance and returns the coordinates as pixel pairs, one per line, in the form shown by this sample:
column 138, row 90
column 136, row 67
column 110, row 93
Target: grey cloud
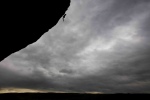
column 105, row 59
column 12, row 79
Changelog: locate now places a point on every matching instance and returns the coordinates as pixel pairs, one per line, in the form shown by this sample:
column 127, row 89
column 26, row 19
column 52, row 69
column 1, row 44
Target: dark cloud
column 102, row 46
column 12, row 79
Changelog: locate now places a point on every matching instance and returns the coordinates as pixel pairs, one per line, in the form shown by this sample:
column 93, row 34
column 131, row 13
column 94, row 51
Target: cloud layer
column 101, row 46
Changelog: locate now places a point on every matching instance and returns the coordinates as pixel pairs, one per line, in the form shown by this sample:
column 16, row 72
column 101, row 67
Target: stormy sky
column 101, row 46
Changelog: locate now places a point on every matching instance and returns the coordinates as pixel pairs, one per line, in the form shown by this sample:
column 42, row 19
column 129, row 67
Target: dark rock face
column 23, row 23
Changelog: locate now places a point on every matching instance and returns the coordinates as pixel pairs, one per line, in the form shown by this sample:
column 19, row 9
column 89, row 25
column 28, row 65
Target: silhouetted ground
column 67, row 96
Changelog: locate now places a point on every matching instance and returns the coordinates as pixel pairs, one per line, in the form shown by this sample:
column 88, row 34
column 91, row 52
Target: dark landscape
column 67, row 96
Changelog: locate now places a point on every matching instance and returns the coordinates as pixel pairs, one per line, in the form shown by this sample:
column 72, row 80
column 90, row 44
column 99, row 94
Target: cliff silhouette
column 24, row 22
